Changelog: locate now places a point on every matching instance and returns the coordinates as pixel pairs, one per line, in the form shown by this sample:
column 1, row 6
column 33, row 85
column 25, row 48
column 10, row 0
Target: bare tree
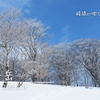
column 88, row 55
column 35, row 48
column 63, row 61
column 39, row 69
column 12, row 29
column 35, row 38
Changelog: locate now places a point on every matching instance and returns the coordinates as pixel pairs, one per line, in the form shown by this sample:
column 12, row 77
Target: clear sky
column 60, row 15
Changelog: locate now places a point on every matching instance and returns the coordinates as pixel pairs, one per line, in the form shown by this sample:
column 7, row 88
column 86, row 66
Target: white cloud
column 5, row 4
column 65, row 34
column 27, row 11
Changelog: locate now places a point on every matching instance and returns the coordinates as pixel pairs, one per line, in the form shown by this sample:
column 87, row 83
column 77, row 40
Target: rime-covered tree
column 63, row 62
column 88, row 55
column 34, row 46
column 12, row 29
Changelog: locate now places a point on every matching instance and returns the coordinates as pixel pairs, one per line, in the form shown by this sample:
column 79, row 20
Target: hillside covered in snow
column 30, row 91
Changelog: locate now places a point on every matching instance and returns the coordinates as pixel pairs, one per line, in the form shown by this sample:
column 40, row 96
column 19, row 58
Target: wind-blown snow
column 30, row 91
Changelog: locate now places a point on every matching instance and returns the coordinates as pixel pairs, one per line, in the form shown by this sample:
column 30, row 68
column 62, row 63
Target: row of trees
column 25, row 51
column 80, row 58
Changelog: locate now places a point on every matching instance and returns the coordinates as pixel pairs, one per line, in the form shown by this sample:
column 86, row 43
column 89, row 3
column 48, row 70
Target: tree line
column 24, row 50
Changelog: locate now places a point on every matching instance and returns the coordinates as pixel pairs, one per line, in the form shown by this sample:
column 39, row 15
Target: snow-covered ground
column 30, row 91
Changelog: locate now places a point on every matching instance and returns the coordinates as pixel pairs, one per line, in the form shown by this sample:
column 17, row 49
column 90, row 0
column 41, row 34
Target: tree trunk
column 7, row 70
column 7, row 61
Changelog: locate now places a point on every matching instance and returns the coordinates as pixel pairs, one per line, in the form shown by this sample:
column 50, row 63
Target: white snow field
column 30, row 91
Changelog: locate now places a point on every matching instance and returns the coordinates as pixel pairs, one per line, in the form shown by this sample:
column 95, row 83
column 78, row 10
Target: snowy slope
column 31, row 91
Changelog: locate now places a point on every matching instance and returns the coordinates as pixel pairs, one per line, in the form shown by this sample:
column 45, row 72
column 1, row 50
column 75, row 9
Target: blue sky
column 60, row 15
